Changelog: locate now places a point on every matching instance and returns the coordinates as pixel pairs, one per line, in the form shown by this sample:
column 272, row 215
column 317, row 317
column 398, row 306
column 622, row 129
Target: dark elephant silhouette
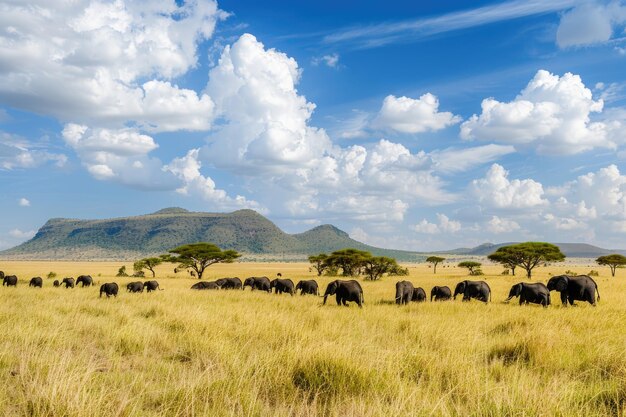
column 473, row 289
column 109, row 289
column 257, row 283
column 308, row 287
column 344, row 292
column 536, row 293
column 575, row 288
column 440, row 293
column 84, row 280
column 36, row 282
column 282, row 286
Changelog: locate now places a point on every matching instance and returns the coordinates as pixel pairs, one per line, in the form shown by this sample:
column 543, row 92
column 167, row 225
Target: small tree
column 375, row 267
column 435, row 260
column 531, row 254
column 199, row 256
column 122, row 272
column 613, row 261
column 349, row 261
column 149, row 264
column 319, row 263
column 507, row 257
column 470, row 265
column 51, row 275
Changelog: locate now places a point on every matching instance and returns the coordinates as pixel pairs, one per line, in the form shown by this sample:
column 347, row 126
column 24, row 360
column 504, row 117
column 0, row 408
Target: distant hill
column 571, row 250
column 132, row 237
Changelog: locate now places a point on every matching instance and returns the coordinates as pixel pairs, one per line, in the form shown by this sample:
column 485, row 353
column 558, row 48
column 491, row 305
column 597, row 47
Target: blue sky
column 409, row 125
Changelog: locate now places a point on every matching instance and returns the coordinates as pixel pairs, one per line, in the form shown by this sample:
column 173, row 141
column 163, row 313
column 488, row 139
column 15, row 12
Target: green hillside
column 130, row 237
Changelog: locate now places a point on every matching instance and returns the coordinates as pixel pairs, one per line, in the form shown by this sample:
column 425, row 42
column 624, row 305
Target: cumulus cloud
column 331, row 60
column 552, row 114
column 590, row 23
column 22, row 235
column 88, row 61
column 444, row 225
column 24, row 202
column 408, row 115
column 496, row 190
column 501, row 225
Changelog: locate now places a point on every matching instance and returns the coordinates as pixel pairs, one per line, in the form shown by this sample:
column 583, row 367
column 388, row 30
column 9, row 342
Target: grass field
column 221, row 353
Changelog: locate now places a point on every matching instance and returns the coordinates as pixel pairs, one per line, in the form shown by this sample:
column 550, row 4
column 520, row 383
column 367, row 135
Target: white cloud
column 101, row 63
column 24, row 202
column 407, row 115
column 552, row 114
column 500, row 225
column 495, row 190
column 589, row 23
column 19, row 153
column 444, row 225
column 454, row 160
column 331, row 60
column 22, row 235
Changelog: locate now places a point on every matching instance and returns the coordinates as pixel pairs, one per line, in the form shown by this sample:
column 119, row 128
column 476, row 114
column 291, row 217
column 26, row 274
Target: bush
column 593, row 273
column 572, row 273
column 122, row 272
column 51, row 275
column 399, row 271
column 476, row 272
column 139, row 274
column 331, row 271
column 505, row 272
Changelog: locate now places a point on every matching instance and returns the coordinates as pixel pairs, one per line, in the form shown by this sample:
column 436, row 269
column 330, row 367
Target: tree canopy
column 471, row 265
column 319, row 263
column 613, row 261
column 354, row 262
column 506, row 256
column 375, row 267
column 348, row 260
column 435, row 260
column 199, row 256
column 528, row 255
column 149, row 264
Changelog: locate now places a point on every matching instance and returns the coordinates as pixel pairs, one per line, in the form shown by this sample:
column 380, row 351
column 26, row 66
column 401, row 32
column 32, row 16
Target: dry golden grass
column 221, row 353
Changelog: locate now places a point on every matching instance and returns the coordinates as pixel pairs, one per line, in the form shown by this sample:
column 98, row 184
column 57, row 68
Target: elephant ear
column 518, row 289
column 561, row 284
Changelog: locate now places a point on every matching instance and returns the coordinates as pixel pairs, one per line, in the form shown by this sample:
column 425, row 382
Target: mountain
column 133, row 237
column 571, row 250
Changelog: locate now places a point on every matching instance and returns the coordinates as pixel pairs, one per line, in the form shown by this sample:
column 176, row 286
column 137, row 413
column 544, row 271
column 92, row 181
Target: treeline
column 354, row 262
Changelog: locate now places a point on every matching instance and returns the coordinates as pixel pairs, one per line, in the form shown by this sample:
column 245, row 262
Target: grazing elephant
column 68, row 282
column 135, row 286
column 404, row 292
column 419, row 295
column 282, row 286
column 85, row 280
column 440, row 293
column 308, row 287
column 257, row 283
column 109, row 289
column 36, row 282
column 345, row 291
column 229, row 283
column 535, row 293
column 473, row 289
column 56, row 283
column 576, row 288
column 205, row 285
column 9, row 281
column 152, row 286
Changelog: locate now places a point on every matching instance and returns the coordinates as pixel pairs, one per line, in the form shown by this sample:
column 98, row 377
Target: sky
column 411, row 125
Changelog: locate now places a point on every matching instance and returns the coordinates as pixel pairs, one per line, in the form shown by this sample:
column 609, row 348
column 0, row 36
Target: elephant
column 135, row 286
column 56, row 283
column 9, row 281
column 308, row 287
column 257, row 283
column 205, row 285
column 152, row 286
column 68, row 282
column 36, row 282
column 229, row 283
column 404, row 292
column 473, row 289
column 85, row 280
column 419, row 295
column 282, row 286
column 535, row 293
column 345, row 291
column 109, row 289
column 1, row 274
column 440, row 293
column 575, row 288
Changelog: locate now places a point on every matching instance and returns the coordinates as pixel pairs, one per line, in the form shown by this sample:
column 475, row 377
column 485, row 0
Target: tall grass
column 222, row 353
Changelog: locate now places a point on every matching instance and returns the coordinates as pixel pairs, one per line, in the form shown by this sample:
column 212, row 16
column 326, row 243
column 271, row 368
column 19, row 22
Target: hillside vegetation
column 240, row 353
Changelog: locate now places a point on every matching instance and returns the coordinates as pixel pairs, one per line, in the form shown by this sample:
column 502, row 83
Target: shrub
column 51, row 275
column 572, row 273
column 505, row 272
column 476, row 272
column 593, row 273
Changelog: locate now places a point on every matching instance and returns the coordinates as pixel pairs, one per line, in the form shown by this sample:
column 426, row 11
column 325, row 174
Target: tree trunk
column 435, row 269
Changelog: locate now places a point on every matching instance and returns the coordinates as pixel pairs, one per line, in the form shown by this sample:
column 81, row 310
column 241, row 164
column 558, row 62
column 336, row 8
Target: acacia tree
column 199, row 256
column 435, row 260
column 531, row 254
column 149, row 264
column 613, row 261
column 470, row 265
column 375, row 267
column 507, row 257
column 319, row 263
column 349, row 260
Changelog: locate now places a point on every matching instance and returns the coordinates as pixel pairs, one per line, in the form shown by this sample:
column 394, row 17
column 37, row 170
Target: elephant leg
column 564, row 298
column 345, row 302
column 338, row 298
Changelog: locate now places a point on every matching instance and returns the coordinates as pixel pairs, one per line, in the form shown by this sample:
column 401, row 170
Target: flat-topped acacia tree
column 199, row 256
column 435, row 260
column 530, row 254
column 613, row 261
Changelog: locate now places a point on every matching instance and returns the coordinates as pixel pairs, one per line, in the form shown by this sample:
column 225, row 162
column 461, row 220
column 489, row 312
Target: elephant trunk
column 325, row 297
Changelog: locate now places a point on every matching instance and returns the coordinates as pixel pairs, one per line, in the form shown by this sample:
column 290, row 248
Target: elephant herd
column 571, row 289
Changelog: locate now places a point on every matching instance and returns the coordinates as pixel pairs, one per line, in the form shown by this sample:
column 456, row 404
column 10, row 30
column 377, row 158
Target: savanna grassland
column 221, row 353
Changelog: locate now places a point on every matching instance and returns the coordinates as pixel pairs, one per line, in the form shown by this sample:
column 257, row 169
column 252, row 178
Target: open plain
column 177, row 352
